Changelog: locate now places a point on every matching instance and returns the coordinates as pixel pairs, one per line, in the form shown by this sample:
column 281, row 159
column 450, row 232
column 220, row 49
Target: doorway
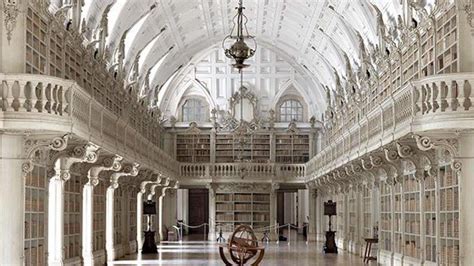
column 198, row 204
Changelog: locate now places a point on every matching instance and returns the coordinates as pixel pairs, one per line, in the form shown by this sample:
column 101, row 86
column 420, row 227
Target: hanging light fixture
column 239, row 50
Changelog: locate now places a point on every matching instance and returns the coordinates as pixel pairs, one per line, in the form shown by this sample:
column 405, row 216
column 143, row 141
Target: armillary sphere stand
column 242, row 246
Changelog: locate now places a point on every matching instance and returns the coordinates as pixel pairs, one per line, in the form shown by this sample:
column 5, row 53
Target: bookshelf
column 429, row 214
column 449, row 216
column 340, row 214
column 352, row 216
column 260, row 148
column 224, row 148
column 410, row 62
column 193, row 148
column 72, row 217
column 36, row 43
column 292, row 148
column 398, row 220
column 35, row 216
column 367, row 213
column 385, row 216
column 118, row 198
column 235, row 208
column 447, row 42
column 99, row 217
column 427, row 44
column 411, row 217
column 132, row 216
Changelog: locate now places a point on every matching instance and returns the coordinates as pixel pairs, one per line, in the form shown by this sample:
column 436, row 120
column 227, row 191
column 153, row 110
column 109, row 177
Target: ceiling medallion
column 239, row 50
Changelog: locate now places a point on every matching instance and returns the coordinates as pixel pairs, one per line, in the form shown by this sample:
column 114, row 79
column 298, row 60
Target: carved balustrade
column 431, row 103
column 37, row 102
column 245, row 170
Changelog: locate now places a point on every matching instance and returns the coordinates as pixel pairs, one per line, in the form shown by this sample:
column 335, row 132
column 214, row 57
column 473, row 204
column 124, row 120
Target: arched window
column 194, row 110
column 291, row 110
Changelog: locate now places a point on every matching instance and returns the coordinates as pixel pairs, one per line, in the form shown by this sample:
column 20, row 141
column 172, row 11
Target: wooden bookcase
column 132, row 216
column 193, row 148
column 72, row 217
column 367, row 213
column 36, row 43
column 235, row 208
column 447, row 42
column 398, row 219
column 340, row 214
column 255, row 148
column 292, row 148
column 352, row 216
column 429, row 217
column 118, row 198
column 411, row 217
column 385, row 216
column 99, row 216
column 410, row 62
column 35, row 216
column 449, row 216
column 224, row 148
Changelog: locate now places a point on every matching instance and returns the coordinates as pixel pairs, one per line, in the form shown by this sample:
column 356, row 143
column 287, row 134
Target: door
column 198, row 209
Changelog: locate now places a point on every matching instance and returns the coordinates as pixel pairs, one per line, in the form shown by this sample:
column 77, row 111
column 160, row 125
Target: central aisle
column 206, row 253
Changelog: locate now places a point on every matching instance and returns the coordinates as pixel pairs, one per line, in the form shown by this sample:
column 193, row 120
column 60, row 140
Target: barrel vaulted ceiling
column 167, row 36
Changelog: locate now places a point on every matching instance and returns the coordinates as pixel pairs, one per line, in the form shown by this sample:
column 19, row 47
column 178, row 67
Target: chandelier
column 239, row 50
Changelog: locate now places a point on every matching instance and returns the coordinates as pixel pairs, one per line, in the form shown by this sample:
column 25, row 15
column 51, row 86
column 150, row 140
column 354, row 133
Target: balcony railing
column 267, row 171
column 39, row 102
column 431, row 103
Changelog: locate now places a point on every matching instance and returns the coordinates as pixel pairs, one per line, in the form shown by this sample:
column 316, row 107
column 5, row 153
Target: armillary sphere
column 242, row 246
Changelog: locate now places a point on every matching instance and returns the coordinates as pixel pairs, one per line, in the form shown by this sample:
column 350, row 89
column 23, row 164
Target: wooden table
column 368, row 249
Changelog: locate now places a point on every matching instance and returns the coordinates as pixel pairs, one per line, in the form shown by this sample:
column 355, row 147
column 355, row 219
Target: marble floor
column 298, row 253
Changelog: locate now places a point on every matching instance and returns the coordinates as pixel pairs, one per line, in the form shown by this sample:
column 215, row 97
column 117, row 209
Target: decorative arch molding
column 173, row 108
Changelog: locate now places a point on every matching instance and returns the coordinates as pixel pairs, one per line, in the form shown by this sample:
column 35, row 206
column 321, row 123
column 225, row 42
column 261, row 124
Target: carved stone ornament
column 469, row 14
column 35, row 150
column 404, row 151
column 10, row 14
column 233, row 187
column 425, row 143
column 193, row 128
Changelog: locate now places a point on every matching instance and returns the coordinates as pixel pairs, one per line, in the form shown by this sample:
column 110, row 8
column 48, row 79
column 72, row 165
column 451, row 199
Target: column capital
column 127, row 170
column 35, row 149
column 112, row 163
column 63, row 160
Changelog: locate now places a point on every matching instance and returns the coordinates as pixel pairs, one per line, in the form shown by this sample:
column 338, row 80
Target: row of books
column 224, row 217
column 36, row 205
column 243, row 217
column 34, row 180
column 35, row 255
column 412, row 204
column 449, row 199
column 449, row 255
column 224, row 207
column 449, row 228
column 72, row 228
column 34, row 229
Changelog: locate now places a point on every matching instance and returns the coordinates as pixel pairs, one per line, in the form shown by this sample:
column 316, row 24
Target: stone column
column 62, row 164
column 212, row 212
column 273, row 211
column 128, row 170
column 313, row 214
column 140, row 216
column 160, row 196
column 110, row 163
column 11, row 199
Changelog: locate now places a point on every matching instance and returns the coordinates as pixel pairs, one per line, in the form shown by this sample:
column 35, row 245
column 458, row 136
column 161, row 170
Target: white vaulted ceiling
column 312, row 35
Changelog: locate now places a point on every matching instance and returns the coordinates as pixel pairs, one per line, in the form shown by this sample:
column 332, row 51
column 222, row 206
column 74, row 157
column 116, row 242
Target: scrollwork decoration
column 10, row 13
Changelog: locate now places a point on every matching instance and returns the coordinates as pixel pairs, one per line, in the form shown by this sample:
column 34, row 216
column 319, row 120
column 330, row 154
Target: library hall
column 237, row 132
